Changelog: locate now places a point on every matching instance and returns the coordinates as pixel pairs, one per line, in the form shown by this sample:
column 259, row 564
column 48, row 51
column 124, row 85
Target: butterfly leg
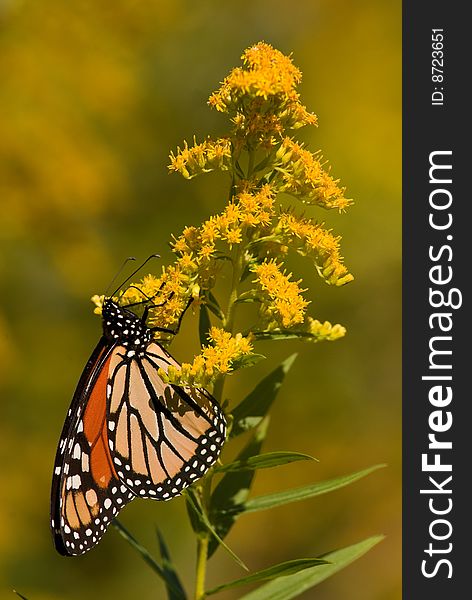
column 147, row 298
column 179, row 322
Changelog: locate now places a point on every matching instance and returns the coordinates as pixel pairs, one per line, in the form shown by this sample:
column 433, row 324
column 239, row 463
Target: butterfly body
column 123, row 326
column 127, row 434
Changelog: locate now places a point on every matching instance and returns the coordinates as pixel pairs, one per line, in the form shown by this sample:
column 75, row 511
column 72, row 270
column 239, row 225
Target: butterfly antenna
column 117, row 274
column 134, row 272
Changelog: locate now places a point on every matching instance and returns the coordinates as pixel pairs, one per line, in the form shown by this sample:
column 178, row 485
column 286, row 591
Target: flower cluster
column 301, row 174
column 261, row 97
column 215, row 359
column 251, row 234
column 201, row 158
column 248, row 210
column 312, row 240
column 324, row 331
column 166, row 296
column 282, row 303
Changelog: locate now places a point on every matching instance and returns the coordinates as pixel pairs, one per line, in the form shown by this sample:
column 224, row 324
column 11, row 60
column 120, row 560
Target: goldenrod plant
column 275, row 182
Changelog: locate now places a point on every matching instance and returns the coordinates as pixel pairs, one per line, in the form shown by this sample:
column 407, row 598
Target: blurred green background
column 93, row 97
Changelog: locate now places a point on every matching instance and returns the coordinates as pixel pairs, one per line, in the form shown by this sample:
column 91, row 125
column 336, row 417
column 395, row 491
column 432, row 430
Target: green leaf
column 249, row 296
column 214, row 306
column 264, row 461
column 281, row 570
column 239, row 170
column 285, row 588
column 196, row 521
column 204, row 325
column 195, row 505
column 283, row 335
column 222, row 256
column 301, row 493
column 173, row 582
column 233, row 489
column 248, row 300
column 248, row 360
column 277, row 239
column 250, row 412
column 264, row 162
column 251, row 261
column 148, row 558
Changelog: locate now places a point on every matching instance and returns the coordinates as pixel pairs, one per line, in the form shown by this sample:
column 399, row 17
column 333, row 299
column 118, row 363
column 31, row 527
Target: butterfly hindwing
column 163, row 437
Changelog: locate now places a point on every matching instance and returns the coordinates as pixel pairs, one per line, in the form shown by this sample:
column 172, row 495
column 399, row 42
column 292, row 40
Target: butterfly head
column 122, row 326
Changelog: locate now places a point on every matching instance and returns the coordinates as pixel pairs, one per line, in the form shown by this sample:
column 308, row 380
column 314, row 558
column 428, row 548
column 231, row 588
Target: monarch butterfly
column 127, row 434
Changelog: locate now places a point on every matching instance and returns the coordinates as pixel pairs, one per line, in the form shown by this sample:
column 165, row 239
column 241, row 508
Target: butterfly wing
column 127, row 434
column 162, row 437
column 86, row 492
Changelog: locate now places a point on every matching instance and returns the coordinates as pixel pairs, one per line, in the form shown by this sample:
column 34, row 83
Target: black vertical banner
column 437, row 365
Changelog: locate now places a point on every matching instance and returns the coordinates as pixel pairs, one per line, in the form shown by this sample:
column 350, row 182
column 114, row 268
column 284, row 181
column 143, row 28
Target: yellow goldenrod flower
column 256, row 206
column 210, row 231
column 206, row 251
column 201, row 158
column 311, row 239
column 98, row 301
column 215, row 359
column 266, row 72
column 232, row 213
column 261, row 96
column 261, row 99
column 283, row 304
column 187, row 262
column 325, row 331
column 233, row 236
column 172, row 291
column 301, row 174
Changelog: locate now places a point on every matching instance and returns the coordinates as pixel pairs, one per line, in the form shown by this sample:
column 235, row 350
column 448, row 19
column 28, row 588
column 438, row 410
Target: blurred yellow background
column 93, row 97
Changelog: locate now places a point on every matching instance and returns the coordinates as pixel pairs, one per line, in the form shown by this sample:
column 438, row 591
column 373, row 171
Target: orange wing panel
column 95, row 430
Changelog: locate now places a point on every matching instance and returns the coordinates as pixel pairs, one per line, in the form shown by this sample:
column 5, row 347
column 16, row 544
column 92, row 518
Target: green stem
column 204, row 538
column 202, row 554
column 204, row 493
column 238, row 265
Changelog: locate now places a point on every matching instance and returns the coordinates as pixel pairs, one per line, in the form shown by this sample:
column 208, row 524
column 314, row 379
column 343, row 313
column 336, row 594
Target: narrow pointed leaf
column 285, row 588
column 193, row 502
column 214, row 306
column 250, row 296
column 195, row 521
column 283, row 335
column 204, row 325
column 248, row 360
column 264, row 461
column 302, row 493
column 173, row 582
column 273, row 239
column 248, row 300
column 281, row 570
column 145, row 555
column 263, row 164
column 250, row 412
column 233, row 489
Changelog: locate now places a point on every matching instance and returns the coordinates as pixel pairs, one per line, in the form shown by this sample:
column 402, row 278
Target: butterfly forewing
column 86, row 492
column 162, row 437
